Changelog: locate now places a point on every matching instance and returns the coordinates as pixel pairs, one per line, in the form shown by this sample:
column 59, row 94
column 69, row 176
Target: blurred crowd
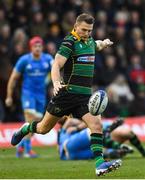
column 120, row 69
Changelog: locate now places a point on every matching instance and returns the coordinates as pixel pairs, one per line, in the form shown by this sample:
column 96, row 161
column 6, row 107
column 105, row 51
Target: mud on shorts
column 65, row 103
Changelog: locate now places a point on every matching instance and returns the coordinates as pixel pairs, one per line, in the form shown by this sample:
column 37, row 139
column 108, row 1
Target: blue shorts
column 34, row 103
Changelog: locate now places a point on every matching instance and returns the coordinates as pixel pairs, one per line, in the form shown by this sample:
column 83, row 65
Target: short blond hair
column 85, row 18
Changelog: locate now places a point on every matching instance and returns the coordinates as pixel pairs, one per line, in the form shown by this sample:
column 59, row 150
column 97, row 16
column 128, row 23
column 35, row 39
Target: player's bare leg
column 42, row 127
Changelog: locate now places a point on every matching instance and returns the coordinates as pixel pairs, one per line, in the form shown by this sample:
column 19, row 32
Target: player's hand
column 107, row 43
column 9, row 101
column 57, row 86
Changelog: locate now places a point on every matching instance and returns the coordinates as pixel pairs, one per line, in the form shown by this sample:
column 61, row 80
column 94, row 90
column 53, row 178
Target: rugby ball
column 98, row 102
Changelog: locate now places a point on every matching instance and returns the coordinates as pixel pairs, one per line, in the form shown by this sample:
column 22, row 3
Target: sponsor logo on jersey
column 86, row 59
column 46, row 65
column 27, row 104
column 29, row 66
column 36, row 72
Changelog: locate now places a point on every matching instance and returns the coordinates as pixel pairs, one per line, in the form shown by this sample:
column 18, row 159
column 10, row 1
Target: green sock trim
column 31, row 127
column 97, row 158
column 96, row 138
column 96, row 149
column 97, row 145
column 25, row 129
column 108, row 142
column 99, row 162
column 116, row 145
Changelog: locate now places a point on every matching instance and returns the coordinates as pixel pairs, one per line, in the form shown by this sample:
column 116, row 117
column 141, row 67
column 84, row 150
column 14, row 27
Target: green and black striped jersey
column 79, row 68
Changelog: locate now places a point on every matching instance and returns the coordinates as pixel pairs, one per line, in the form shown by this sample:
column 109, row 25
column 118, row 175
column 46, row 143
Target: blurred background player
column 34, row 68
column 74, row 140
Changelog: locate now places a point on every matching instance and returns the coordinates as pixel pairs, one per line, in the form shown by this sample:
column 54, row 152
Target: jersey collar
column 75, row 35
column 32, row 57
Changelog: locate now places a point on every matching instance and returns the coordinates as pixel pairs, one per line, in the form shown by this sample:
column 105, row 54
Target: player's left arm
column 15, row 76
column 100, row 45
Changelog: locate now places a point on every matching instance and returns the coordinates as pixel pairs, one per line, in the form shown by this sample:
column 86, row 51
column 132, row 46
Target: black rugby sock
column 97, row 147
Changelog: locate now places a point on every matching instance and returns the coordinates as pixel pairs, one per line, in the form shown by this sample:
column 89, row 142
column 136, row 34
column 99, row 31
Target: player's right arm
column 10, row 87
column 15, row 76
column 55, row 72
column 61, row 57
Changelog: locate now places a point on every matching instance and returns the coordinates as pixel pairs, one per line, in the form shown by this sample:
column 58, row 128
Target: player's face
column 83, row 30
column 37, row 49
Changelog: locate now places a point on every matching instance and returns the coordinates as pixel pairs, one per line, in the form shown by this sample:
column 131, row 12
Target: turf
column 48, row 166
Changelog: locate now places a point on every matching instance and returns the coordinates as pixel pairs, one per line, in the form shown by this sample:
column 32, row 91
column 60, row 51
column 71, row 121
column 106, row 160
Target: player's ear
column 75, row 26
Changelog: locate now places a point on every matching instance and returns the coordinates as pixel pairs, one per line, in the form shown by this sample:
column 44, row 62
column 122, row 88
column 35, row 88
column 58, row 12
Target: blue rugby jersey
column 34, row 72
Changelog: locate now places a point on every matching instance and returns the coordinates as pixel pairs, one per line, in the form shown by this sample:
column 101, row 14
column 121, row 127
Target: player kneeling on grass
column 122, row 134
column 76, row 56
column 74, row 140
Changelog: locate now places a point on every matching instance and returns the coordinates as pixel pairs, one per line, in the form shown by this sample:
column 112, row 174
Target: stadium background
column 120, row 69
column 123, row 21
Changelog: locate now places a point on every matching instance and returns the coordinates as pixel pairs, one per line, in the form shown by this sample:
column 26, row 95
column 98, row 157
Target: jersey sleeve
column 66, row 48
column 20, row 65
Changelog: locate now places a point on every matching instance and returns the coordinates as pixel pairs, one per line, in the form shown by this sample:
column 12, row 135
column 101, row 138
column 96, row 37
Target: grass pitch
column 48, row 166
